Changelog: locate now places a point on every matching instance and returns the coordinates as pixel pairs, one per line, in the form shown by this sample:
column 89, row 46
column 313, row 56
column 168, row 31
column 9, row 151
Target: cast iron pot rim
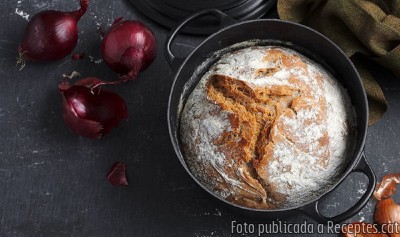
column 350, row 166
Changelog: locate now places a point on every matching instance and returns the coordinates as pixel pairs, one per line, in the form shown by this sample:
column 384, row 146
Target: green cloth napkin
column 367, row 27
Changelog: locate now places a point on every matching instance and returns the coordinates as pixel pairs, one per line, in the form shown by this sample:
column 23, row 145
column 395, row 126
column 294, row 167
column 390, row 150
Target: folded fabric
column 367, row 27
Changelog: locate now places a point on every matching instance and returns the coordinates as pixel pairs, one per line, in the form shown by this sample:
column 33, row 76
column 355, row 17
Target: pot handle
column 174, row 61
column 313, row 212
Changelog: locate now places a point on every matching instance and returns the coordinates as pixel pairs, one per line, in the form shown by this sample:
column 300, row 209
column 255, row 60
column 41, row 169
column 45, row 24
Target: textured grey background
column 53, row 182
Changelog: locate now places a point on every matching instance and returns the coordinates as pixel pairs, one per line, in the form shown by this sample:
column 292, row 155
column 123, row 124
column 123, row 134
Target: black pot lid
column 170, row 12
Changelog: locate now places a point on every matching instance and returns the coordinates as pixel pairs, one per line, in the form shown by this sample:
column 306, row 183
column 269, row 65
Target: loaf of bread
column 267, row 128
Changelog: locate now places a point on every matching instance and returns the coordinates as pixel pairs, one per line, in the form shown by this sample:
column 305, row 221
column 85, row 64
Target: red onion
column 128, row 47
column 91, row 113
column 51, row 35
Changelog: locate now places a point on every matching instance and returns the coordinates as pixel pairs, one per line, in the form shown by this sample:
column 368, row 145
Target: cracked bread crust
column 266, row 128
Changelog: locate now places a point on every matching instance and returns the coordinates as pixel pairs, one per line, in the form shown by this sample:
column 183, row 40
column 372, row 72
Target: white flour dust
column 34, row 6
column 95, row 60
column 22, row 14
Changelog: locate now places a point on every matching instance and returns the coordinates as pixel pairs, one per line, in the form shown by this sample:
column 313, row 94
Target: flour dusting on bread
column 267, row 127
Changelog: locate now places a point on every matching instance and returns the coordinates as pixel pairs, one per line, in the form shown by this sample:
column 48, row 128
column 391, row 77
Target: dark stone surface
column 53, row 182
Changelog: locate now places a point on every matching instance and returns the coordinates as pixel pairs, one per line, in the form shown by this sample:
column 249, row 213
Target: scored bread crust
column 266, row 128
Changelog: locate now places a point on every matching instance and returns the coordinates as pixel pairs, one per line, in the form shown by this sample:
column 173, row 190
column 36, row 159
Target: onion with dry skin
column 91, row 113
column 128, row 48
column 361, row 229
column 387, row 211
column 50, row 35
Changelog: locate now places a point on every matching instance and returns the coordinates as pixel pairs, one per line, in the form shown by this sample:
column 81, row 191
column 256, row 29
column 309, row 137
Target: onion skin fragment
column 117, row 174
column 387, row 187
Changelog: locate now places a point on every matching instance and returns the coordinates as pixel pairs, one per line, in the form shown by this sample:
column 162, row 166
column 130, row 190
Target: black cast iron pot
column 301, row 38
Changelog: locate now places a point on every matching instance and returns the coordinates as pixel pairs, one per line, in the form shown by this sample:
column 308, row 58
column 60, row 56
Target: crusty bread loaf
column 267, row 128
